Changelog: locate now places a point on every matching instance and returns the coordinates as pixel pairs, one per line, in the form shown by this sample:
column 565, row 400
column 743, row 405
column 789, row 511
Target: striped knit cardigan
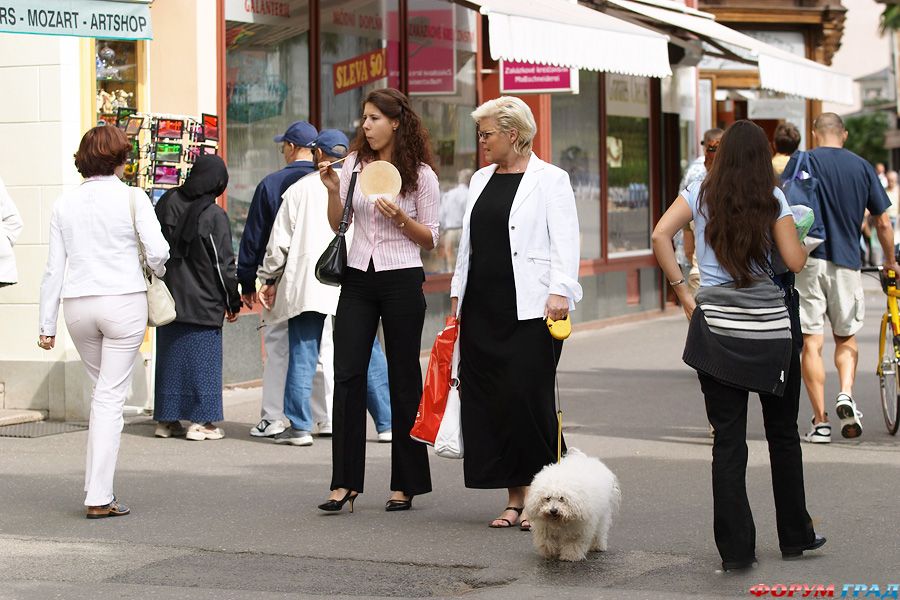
column 742, row 336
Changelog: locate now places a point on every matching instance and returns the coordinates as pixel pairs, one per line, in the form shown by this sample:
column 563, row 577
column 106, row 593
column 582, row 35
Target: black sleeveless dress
column 507, row 366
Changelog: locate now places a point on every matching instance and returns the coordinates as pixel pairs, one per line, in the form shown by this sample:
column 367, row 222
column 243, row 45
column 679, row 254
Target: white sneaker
column 267, row 428
column 323, row 429
column 845, row 407
column 167, row 430
column 199, row 432
column 385, row 437
column 819, row 433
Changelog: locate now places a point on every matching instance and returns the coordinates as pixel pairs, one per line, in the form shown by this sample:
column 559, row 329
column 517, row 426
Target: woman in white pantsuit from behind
column 93, row 265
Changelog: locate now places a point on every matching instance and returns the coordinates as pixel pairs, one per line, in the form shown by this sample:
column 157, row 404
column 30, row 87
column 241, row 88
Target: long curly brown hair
column 412, row 146
column 738, row 200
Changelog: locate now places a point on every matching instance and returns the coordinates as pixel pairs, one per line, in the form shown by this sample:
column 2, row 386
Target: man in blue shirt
column 296, row 147
column 830, row 283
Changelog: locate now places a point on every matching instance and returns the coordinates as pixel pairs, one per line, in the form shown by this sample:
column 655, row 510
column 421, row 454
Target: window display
column 117, row 78
column 576, row 150
column 628, row 165
column 442, row 90
column 266, row 89
column 360, row 53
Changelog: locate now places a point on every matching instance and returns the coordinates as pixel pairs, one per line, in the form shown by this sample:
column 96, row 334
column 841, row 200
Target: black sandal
column 517, row 509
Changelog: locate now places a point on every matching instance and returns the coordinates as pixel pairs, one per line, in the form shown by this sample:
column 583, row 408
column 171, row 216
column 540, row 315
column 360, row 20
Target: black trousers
column 397, row 299
column 726, row 408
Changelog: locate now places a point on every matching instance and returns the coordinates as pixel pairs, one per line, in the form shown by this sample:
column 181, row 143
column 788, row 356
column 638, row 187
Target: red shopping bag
column 437, row 385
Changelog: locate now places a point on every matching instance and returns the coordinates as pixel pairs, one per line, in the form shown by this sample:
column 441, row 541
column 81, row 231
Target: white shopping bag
column 449, row 440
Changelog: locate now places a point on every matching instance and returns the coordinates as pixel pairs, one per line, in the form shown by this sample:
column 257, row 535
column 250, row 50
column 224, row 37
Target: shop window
column 267, row 89
column 576, row 149
column 442, row 89
column 628, row 164
column 360, row 52
column 116, row 65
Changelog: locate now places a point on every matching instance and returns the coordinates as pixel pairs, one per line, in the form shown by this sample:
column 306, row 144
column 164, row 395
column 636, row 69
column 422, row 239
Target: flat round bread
column 380, row 178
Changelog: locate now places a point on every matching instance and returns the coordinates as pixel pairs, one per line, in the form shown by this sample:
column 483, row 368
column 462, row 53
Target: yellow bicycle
column 889, row 350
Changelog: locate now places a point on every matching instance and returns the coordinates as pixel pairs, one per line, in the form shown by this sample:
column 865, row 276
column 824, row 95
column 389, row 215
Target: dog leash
column 559, row 413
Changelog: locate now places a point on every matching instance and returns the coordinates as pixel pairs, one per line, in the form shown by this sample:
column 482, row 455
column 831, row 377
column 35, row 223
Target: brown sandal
column 113, row 509
column 525, row 525
column 517, row 509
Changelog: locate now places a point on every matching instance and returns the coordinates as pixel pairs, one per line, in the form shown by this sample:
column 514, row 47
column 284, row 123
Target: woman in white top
column 93, row 264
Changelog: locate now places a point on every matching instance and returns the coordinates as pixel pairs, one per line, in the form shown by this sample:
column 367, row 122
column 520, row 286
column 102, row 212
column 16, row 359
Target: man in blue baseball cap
column 297, row 144
column 292, row 292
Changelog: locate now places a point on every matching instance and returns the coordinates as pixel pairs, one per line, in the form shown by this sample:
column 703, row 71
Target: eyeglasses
column 483, row 135
column 712, row 147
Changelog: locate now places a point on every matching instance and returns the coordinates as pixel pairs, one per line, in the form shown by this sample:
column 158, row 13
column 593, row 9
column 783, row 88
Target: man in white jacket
column 10, row 228
column 291, row 291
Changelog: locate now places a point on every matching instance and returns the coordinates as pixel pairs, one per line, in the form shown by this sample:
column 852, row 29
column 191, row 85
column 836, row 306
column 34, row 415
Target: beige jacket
column 299, row 235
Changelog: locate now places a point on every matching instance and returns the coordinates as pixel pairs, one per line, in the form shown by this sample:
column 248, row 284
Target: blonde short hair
column 511, row 114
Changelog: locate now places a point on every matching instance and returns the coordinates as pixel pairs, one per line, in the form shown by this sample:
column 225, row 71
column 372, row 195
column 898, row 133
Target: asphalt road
column 237, row 518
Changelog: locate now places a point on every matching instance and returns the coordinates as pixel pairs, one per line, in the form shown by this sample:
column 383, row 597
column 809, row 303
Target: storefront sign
column 432, row 52
column 273, row 12
column 359, row 71
column 528, row 78
column 106, row 19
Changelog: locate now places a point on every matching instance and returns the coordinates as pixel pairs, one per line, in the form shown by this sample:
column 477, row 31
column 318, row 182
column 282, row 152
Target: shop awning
column 107, row 19
column 564, row 34
column 779, row 70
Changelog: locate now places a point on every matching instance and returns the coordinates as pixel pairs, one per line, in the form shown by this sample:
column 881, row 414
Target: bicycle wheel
column 889, row 378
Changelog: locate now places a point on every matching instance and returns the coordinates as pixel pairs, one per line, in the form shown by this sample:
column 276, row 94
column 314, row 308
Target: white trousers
column 323, row 384
column 275, row 340
column 107, row 332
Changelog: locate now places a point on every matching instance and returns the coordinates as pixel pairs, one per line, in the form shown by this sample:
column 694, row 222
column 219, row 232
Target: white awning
column 108, row 19
column 779, row 70
column 564, row 34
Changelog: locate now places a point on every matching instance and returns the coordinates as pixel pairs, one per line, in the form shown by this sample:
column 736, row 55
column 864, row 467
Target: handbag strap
column 801, row 161
column 348, row 203
column 142, row 257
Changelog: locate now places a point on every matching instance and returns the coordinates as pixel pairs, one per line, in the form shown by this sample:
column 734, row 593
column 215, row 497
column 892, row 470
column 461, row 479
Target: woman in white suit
column 93, row 265
column 517, row 264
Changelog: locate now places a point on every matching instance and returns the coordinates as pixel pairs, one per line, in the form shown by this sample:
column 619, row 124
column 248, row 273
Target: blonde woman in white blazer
column 517, row 264
column 93, row 266
column 10, row 228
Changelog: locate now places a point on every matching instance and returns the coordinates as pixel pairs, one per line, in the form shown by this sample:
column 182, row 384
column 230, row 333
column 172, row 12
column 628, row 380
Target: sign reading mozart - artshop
column 108, row 19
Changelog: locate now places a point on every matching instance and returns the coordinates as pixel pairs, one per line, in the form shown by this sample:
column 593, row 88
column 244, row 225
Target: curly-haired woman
column 383, row 281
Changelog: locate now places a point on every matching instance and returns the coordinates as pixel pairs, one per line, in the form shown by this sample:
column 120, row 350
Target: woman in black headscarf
column 201, row 276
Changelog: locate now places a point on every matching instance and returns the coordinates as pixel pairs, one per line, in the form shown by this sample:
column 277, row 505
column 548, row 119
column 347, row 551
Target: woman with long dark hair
column 740, row 218
column 383, row 281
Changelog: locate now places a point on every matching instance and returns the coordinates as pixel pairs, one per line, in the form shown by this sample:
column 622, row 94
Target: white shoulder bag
column 449, row 440
column 160, row 303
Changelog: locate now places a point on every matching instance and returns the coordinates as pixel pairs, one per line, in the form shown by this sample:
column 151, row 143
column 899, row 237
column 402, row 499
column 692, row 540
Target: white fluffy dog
column 571, row 506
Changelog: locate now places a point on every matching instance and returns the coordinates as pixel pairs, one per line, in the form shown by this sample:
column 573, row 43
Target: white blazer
column 543, row 238
column 299, row 235
column 10, row 228
column 93, row 249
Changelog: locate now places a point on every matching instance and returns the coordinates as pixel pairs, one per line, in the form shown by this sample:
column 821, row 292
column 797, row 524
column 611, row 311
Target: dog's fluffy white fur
column 571, row 506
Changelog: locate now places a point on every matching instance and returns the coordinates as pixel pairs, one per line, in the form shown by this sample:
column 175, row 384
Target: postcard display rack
column 164, row 147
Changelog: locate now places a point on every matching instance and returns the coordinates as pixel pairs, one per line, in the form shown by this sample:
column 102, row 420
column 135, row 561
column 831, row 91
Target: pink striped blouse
column 376, row 237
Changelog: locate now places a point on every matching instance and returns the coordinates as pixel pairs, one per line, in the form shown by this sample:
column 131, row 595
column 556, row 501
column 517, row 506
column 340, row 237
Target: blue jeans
column 304, row 335
column 378, row 394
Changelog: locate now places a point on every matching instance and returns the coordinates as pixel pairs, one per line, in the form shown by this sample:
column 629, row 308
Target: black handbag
column 332, row 264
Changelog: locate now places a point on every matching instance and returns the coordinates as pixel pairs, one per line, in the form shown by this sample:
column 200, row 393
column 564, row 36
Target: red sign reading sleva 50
column 359, row 70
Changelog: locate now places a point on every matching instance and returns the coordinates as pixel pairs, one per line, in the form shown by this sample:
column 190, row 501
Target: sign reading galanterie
column 108, row 19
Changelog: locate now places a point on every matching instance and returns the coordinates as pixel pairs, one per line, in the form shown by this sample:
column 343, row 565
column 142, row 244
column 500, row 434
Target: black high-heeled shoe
column 395, row 505
column 336, row 505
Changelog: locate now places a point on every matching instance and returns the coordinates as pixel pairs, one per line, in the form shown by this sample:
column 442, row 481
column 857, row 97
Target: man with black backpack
column 830, row 283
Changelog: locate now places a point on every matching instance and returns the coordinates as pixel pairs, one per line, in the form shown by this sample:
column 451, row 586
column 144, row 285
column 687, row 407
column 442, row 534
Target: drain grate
column 39, row 429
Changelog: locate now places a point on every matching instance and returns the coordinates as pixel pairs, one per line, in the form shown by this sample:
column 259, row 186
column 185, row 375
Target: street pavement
column 237, row 518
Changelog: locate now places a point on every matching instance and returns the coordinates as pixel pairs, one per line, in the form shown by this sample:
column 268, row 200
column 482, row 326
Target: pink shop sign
column 528, row 78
